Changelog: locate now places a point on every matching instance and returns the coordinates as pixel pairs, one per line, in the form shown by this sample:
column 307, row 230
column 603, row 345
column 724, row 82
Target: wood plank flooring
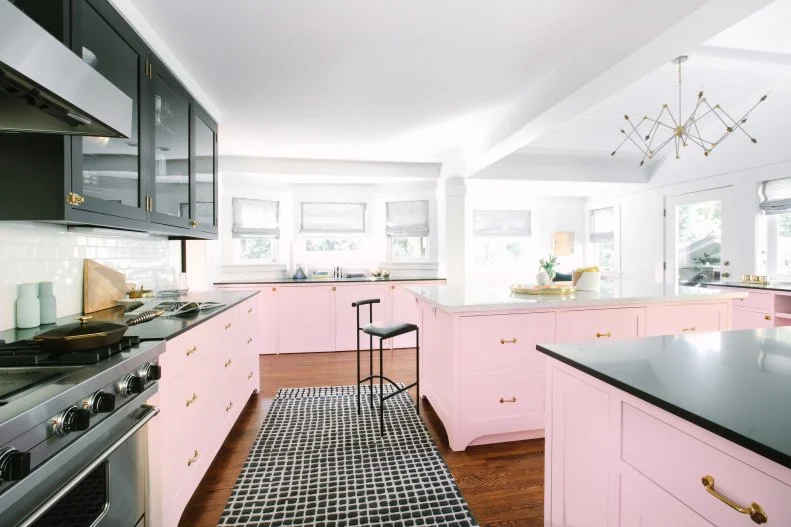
column 503, row 483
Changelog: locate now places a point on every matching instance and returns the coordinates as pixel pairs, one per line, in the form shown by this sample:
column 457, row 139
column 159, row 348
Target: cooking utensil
column 88, row 334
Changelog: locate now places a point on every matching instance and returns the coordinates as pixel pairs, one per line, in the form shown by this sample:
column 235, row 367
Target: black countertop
column 771, row 286
column 162, row 328
column 271, row 281
column 736, row 384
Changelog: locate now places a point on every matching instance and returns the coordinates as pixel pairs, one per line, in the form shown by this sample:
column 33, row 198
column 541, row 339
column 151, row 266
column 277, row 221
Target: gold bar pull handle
column 193, row 459
column 228, row 363
column 688, row 330
column 511, row 341
column 755, row 511
column 192, row 350
column 229, row 406
column 600, row 335
column 228, row 325
column 511, row 400
column 249, row 340
column 192, row 399
column 250, row 376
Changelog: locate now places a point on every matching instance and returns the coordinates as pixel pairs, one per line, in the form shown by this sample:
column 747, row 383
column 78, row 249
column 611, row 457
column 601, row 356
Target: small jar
column 28, row 309
column 47, row 304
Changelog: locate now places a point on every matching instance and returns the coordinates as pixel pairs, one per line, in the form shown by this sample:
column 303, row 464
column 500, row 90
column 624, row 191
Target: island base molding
column 613, row 460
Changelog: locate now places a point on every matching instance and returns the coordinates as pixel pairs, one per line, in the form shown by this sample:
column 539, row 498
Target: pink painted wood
column 403, row 308
column 305, row 319
column 592, row 324
column 672, row 319
column 346, row 315
column 748, row 319
column 757, row 300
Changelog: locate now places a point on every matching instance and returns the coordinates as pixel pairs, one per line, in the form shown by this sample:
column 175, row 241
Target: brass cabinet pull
column 600, row 335
column 512, row 341
column 511, row 400
column 333, row 288
column 228, row 325
column 767, row 317
column 192, row 350
column 249, row 310
column 193, row 459
column 274, row 289
column 192, row 399
column 250, row 376
column 227, row 363
column 249, row 340
column 755, row 511
column 229, row 406
column 688, row 330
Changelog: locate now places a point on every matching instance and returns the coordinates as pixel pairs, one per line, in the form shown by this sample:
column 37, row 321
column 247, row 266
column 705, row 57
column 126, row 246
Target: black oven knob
column 150, row 372
column 131, row 384
column 101, row 402
column 71, row 420
column 14, row 465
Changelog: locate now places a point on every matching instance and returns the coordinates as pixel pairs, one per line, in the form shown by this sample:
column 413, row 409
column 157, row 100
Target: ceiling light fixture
column 682, row 132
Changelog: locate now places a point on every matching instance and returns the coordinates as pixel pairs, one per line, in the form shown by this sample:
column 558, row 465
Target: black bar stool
column 383, row 330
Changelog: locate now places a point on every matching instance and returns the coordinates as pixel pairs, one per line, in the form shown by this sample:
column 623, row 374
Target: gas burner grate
column 32, row 353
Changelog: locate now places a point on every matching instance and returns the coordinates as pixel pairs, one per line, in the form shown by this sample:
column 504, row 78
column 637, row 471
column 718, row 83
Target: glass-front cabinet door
column 205, row 209
column 107, row 171
column 172, row 172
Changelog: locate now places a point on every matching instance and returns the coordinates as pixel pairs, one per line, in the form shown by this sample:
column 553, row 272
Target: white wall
column 34, row 252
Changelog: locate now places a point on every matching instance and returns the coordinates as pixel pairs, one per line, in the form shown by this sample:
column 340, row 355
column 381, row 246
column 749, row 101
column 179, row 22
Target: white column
column 452, row 216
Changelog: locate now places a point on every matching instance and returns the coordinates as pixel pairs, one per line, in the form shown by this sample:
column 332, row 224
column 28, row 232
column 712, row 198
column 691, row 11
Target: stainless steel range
column 72, row 434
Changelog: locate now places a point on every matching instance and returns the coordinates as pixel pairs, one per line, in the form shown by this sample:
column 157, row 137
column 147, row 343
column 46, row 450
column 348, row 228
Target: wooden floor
column 503, row 484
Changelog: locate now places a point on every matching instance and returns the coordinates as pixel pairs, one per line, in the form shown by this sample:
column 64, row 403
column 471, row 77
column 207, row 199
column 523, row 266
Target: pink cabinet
column 346, row 315
column 746, row 319
column 592, row 324
column 305, row 321
column 403, row 308
column 645, row 504
column 668, row 319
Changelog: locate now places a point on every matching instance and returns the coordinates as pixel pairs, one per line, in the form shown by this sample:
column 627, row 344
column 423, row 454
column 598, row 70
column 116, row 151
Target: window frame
column 772, row 249
column 274, row 237
column 392, row 258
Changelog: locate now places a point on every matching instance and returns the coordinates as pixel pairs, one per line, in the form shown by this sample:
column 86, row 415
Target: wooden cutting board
column 102, row 286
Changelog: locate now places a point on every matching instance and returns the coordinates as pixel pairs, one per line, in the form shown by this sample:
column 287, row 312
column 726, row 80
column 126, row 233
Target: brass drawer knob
column 333, row 288
column 194, row 224
column 192, row 350
column 193, row 458
column 767, row 317
column 755, row 511
column 511, row 341
column 250, row 376
column 228, row 363
column 600, row 335
column 229, row 406
column 274, row 289
column 249, row 340
column 192, row 399
column 250, row 310
column 688, row 330
column 228, row 325
column 511, row 400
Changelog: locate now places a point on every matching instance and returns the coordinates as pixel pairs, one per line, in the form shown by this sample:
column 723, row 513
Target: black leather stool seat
column 388, row 330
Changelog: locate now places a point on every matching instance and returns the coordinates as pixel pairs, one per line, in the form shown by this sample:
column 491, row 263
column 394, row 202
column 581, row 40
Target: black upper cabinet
column 162, row 179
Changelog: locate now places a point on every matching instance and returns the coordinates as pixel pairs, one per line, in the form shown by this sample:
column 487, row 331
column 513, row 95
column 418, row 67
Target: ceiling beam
column 645, row 35
column 328, row 167
column 557, row 167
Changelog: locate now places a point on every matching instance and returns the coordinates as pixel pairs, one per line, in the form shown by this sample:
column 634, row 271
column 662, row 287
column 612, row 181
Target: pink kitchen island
column 673, row 431
column 480, row 369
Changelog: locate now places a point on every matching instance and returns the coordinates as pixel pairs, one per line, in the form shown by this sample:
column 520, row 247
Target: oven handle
column 65, row 489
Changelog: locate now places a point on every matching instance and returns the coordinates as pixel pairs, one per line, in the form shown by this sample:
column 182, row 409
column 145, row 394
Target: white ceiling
column 359, row 79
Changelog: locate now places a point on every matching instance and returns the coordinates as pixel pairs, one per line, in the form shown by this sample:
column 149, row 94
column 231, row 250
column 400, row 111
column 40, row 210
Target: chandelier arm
column 661, row 146
column 620, row 145
column 691, row 119
column 739, row 124
column 636, row 131
column 699, row 137
column 638, row 145
column 697, row 141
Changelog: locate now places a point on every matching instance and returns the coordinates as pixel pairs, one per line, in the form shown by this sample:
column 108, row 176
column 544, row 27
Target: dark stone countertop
column 771, row 286
column 284, row 281
column 162, row 328
column 736, row 384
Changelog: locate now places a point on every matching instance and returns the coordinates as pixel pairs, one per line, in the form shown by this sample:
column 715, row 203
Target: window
column 775, row 202
column 332, row 227
column 256, row 229
column 602, row 236
column 407, row 229
column 503, row 238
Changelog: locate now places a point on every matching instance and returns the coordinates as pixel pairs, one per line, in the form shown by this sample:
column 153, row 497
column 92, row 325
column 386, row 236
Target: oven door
column 98, row 481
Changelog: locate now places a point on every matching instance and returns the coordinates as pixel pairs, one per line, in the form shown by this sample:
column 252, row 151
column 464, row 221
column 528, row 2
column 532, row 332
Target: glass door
column 107, row 171
column 205, row 209
column 698, row 244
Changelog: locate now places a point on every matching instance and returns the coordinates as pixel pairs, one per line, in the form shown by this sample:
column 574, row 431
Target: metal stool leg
column 381, row 393
column 358, row 360
column 417, row 369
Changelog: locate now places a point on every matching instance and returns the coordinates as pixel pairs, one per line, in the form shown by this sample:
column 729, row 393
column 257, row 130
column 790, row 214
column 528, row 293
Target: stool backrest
column 370, row 303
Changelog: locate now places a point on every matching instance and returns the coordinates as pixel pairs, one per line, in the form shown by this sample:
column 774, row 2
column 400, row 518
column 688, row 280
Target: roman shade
column 603, row 225
column 335, row 218
column 255, row 217
column 775, row 196
column 501, row 223
column 406, row 218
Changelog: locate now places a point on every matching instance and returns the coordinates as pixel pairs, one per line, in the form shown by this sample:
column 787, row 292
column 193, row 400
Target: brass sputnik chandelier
column 682, row 132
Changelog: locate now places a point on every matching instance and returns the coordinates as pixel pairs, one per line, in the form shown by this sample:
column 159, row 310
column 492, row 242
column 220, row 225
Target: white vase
column 28, row 309
column 542, row 278
column 47, row 305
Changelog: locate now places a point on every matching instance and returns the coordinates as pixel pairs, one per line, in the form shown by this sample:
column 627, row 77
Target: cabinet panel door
column 691, row 318
column 498, row 404
column 744, row 319
column 644, row 504
column 346, row 315
column 403, row 309
column 107, row 172
column 305, row 319
column 204, row 205
column 592, row 324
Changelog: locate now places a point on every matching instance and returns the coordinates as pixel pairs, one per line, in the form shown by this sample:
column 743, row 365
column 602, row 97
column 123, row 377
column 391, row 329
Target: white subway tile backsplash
column 34, row 252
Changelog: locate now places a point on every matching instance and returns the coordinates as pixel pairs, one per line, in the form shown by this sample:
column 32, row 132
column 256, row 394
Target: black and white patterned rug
column 317, row 463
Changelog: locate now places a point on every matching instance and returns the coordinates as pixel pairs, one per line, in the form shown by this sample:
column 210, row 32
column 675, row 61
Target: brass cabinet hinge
column 74, row 199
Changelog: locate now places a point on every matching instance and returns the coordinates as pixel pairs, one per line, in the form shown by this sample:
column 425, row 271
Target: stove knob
column 131, row 384
column 71, row 420
column 101, row 402
column 14, row 465
column 151, row 372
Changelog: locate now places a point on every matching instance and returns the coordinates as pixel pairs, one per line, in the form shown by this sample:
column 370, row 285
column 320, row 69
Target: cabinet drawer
column 755, row 300
column 499, row 404
column 184, row 462
column 677, row 462
column 746, row 319
column 505, row 342
column 592, row 324
column 687, row 318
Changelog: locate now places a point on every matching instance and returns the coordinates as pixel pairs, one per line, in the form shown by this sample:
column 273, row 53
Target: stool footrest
column 378, row 377
column 398, row 391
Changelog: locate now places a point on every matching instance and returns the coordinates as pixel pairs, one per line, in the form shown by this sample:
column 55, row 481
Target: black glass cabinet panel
column 205, row 161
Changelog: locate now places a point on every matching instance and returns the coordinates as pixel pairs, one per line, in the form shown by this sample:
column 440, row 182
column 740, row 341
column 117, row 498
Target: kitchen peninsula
column 479, row 366
column 667, row 430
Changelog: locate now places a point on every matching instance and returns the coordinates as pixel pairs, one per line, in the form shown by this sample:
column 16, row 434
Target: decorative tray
column 552, row 289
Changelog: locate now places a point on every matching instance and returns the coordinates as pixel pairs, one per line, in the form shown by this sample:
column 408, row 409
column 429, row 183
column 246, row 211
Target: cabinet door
column 170, row 167
column 204, row 205
column 346, row 315
column 688, row 318
column 745, row 319
column 403, row 309
column 644, row 504
column 107, row 172
column 305, row 320
column 593, row 324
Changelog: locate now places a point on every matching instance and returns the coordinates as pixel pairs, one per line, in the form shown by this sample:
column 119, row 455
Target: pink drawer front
column 755, row 300
column 593, row 324
column 678, row 462
column 496, row 404
column 746, row 319
column 505, row 342
column 686, row 318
